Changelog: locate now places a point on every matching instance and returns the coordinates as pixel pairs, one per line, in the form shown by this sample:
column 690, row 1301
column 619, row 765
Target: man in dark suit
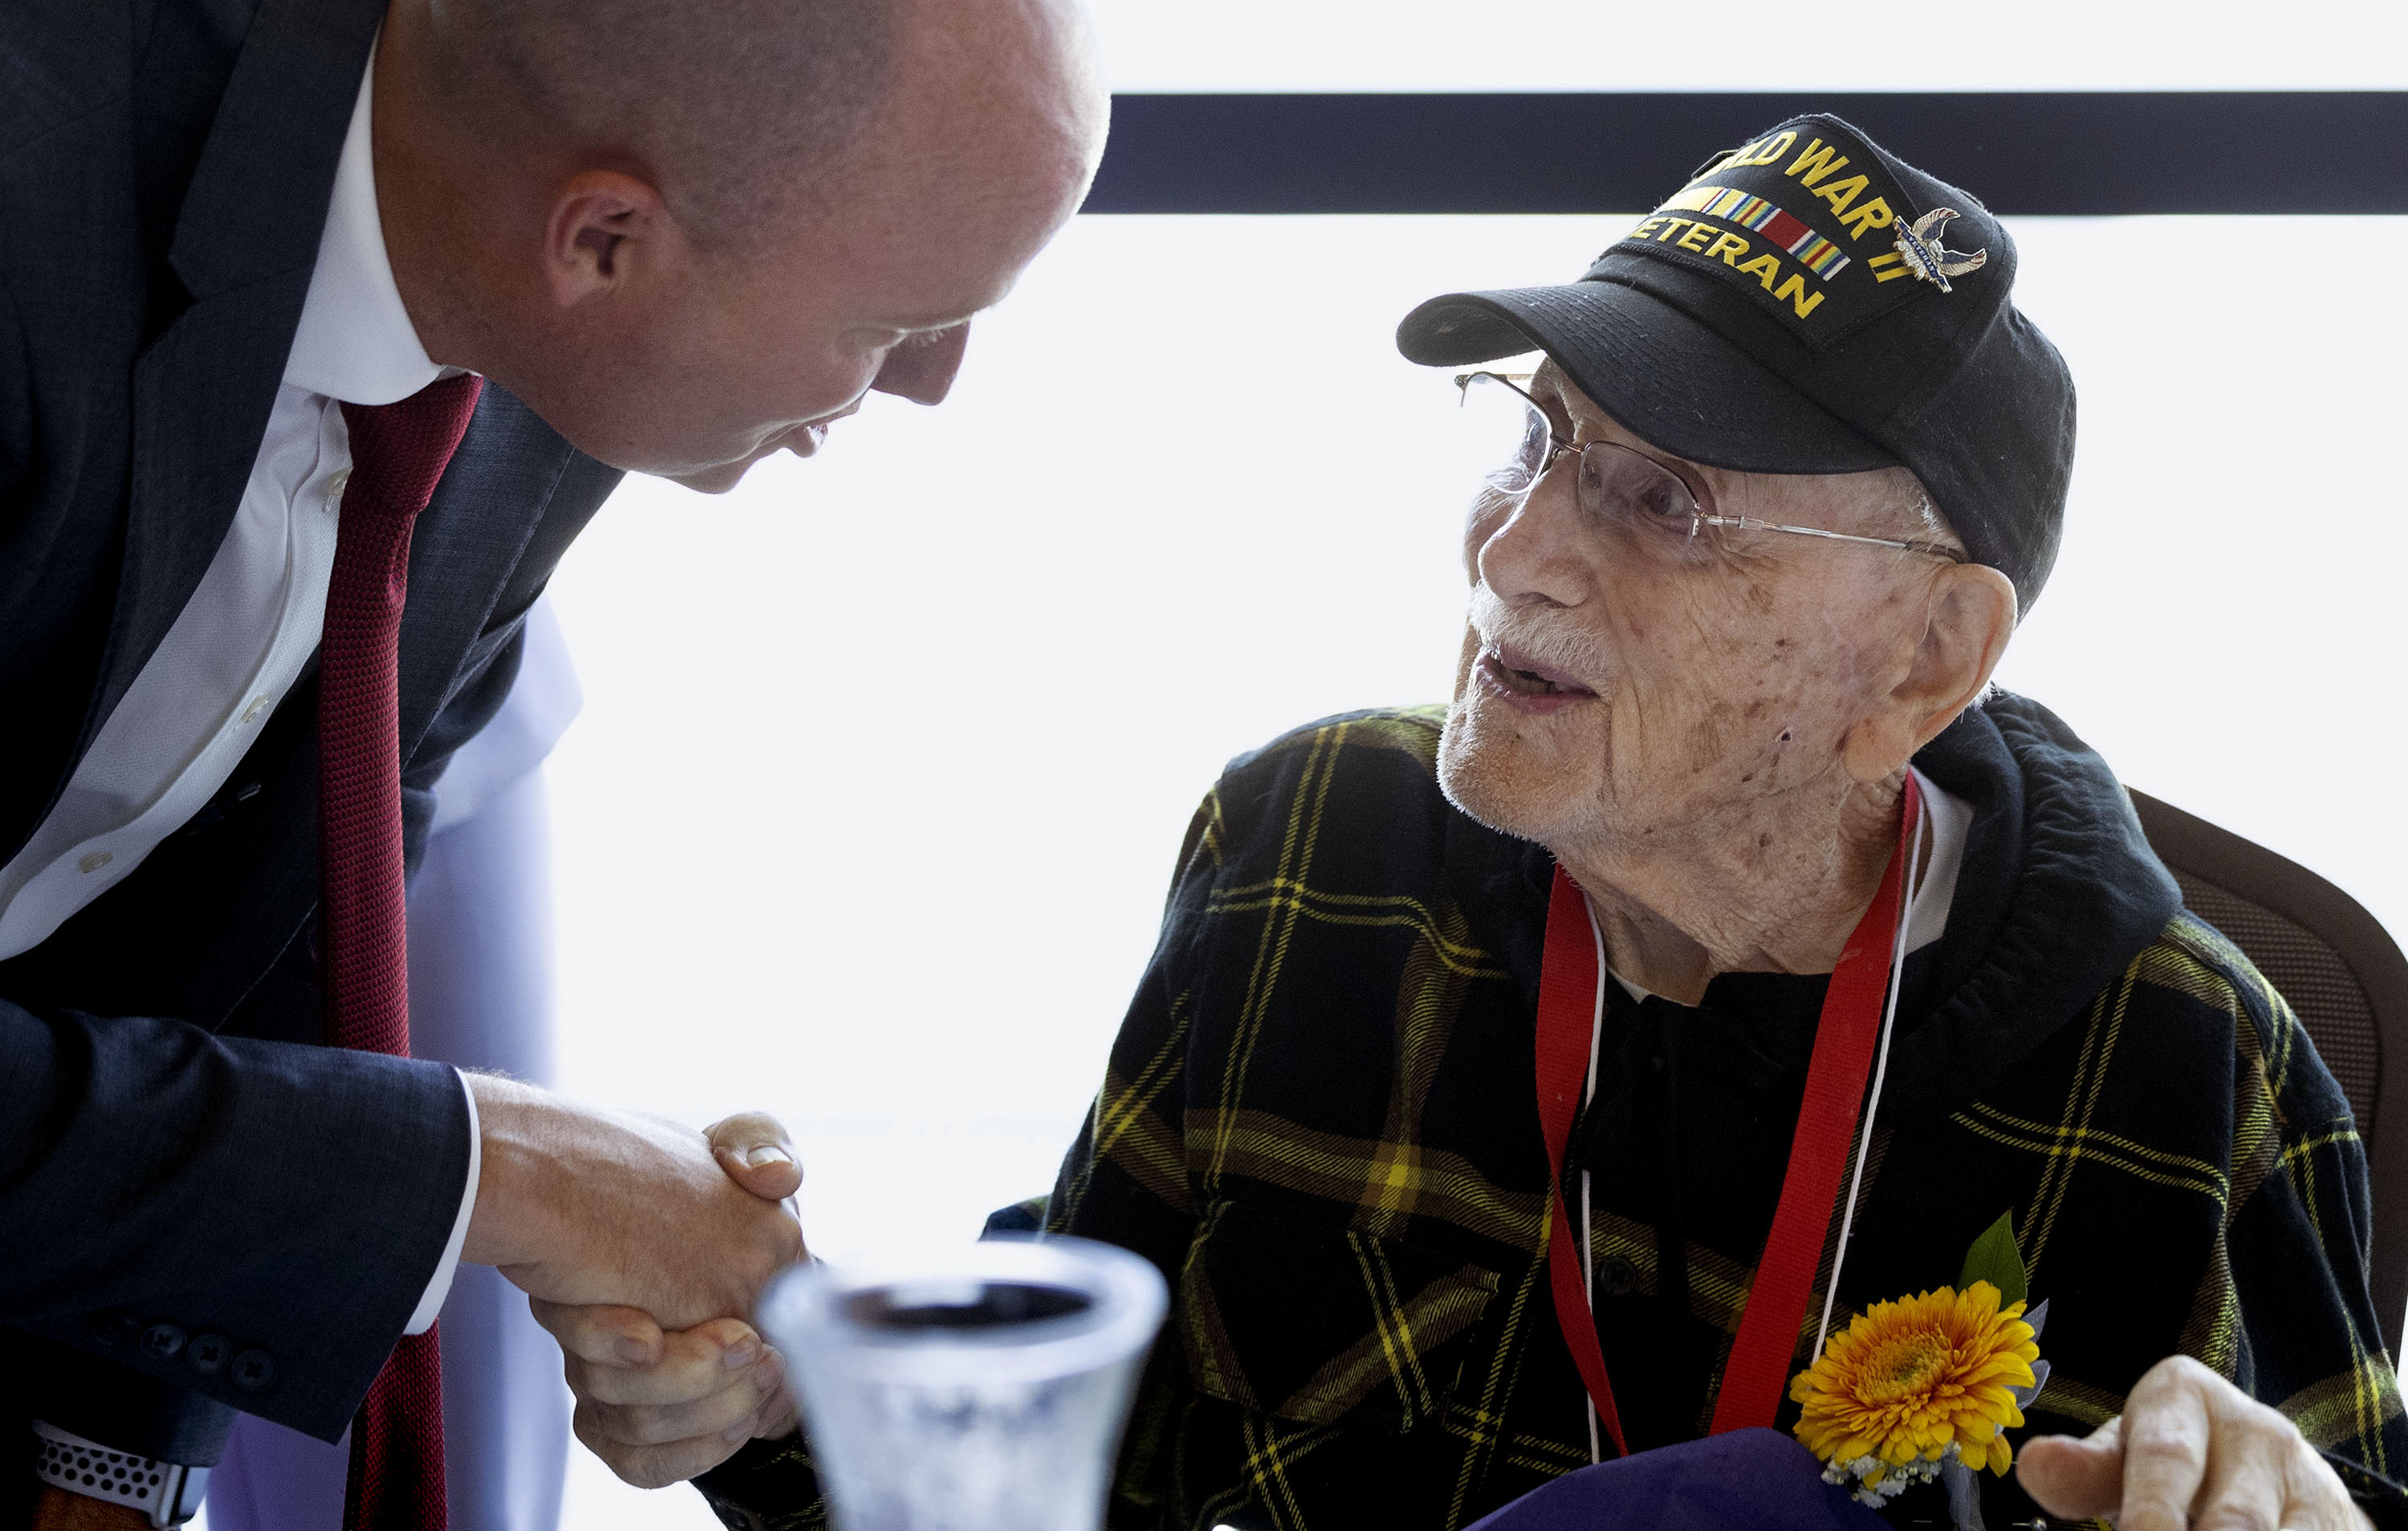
column 246, row 245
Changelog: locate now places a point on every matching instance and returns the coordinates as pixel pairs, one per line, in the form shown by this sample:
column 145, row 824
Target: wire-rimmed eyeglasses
column 1664, row 503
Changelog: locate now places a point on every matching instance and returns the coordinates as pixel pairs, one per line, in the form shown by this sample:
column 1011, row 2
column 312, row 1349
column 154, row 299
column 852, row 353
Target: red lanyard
column 1758, row 1374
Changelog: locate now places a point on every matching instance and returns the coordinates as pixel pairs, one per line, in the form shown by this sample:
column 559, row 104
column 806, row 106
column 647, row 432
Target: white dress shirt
column 252, row 623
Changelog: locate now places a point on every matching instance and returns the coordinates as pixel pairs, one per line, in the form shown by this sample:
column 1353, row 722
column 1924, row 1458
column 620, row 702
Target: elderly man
column 324, row 327
column 1511, row 1085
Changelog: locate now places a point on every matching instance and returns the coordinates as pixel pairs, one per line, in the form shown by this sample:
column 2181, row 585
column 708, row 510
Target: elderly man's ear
column 1968, row 613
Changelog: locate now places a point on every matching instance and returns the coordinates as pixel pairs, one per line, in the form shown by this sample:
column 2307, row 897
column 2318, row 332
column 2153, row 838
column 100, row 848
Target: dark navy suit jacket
column 202, row 1209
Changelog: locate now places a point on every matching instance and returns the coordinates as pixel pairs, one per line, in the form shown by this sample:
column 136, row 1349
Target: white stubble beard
column 1472, row 770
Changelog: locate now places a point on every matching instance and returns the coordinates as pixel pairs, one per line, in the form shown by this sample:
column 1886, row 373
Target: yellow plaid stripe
column 2067, row 1142
column 1368, row 910
column 2348, row 1411
column 1127, row 1132
column 1403, row 1333
column 1427, row 1182
column 2090, row 1406
column 1300, row 834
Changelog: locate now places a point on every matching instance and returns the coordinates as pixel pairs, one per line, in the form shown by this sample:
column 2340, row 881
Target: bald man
column 323, row 329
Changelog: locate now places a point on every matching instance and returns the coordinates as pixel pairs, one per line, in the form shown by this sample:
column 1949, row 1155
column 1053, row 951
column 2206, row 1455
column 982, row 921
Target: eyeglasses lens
column 1501, row 437
column 1630, row 491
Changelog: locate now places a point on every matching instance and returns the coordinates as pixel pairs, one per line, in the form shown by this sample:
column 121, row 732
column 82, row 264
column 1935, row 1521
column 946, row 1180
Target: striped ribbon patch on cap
column 1811, row 251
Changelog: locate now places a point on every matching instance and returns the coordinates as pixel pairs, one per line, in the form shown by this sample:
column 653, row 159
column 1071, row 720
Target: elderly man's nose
column 1534, row 554
column 922, row 369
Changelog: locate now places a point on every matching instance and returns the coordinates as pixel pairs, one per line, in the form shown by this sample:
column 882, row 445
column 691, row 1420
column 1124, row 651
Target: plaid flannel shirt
column 1319, row 1122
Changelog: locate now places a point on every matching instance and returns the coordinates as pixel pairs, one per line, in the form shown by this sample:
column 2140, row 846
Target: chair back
column 2345, row 978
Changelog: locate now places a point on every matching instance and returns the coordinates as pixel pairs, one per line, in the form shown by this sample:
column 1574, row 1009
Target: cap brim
column 1662, row 374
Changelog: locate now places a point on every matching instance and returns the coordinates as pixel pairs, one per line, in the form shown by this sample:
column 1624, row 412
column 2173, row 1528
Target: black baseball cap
column 1810, row 303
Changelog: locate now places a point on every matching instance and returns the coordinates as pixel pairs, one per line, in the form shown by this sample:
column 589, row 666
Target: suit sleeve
column 251, row 1221
column 16, row 404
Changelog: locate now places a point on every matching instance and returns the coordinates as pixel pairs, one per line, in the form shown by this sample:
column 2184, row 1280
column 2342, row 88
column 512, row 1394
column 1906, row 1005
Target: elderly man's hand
column 662, row 1408
column 581, row 1205
column 2189, row 1449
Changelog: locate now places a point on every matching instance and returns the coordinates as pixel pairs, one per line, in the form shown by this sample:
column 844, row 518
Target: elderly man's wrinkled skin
column 2189, row 1449
column 1727, row 787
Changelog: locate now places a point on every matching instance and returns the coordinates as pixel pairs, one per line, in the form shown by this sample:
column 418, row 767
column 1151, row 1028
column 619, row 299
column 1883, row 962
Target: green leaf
column 1994, row 1259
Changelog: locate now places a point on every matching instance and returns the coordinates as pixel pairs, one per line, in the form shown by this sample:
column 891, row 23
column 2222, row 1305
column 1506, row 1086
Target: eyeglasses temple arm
column 1749, row 523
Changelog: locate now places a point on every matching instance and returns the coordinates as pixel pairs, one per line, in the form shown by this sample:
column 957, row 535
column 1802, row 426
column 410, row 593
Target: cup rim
column 802, row 1314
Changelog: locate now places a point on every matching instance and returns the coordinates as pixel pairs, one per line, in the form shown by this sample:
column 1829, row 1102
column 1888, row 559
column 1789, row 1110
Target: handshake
column 641, row 1246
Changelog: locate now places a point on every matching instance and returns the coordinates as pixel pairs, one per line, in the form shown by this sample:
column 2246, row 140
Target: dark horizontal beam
column 2073, row 153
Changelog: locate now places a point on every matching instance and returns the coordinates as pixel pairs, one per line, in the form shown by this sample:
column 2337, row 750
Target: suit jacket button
column 1618, row 1277
column 253, row 1370
column 160, row 1341
column 208, row 1353
column 116, row 1328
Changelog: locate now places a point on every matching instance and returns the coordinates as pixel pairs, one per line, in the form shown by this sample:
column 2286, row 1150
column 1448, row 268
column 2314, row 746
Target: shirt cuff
column 440, row 1286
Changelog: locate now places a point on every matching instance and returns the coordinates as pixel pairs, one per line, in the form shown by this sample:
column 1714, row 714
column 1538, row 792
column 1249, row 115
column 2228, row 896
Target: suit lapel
column 466, row 545
column 244, row 244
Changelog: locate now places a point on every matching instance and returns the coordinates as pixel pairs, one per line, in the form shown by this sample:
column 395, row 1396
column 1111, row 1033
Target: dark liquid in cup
column 998, row 1303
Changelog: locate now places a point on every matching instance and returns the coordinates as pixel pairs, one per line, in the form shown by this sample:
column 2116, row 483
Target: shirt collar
column 356, row 343
column 1950, row 820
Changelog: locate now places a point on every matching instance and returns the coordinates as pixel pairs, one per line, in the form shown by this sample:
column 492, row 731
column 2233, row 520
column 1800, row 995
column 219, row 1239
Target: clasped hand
column 642, row 1245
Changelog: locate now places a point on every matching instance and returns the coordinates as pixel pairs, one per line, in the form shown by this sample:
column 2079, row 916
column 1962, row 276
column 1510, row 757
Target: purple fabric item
column 1746, row 1480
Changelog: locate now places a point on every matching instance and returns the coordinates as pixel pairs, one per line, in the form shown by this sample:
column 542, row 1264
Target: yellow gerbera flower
column 1914, row 1377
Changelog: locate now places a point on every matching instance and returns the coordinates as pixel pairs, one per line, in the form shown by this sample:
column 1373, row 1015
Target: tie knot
column 399, row 449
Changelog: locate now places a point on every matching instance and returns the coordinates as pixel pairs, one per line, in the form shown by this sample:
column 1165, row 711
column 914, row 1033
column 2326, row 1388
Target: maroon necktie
column 398, row 451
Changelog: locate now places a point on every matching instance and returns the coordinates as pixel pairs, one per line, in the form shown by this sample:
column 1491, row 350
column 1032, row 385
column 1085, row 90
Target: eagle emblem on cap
column 1925, row 255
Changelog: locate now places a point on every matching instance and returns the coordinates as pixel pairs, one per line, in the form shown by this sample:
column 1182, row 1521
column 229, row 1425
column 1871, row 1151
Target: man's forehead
column 912, row 284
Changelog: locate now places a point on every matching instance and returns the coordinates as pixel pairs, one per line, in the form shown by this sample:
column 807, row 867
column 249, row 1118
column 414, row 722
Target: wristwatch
column 169, row 1492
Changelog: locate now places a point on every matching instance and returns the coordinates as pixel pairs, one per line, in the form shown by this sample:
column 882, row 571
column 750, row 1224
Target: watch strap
column 169, row 1493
